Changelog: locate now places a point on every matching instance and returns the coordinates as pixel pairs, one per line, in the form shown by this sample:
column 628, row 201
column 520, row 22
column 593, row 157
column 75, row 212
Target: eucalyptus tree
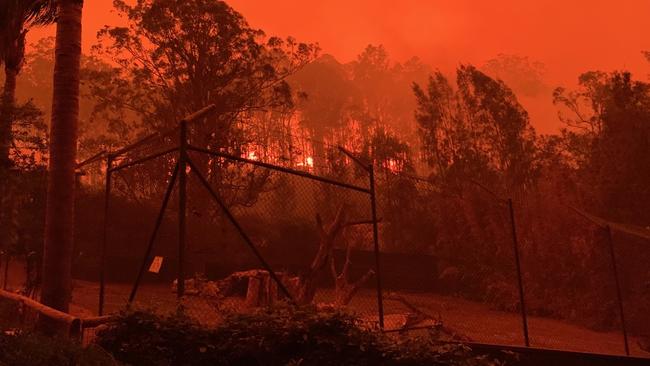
column 175, row 57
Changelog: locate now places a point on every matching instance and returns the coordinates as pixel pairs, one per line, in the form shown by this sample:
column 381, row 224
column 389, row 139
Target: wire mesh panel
column 89, row 204
column 632, row 255
column 219, row 230
column 199, row 223
column 311, row 231
column 141, row 226
column 569, row 278
column 449, row 260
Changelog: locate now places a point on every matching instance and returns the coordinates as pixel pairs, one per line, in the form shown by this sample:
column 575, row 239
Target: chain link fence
column 478, row 265
column 458, row 271
column 216, row 231
column 524, row 268
column 173, row 221
column 288, row 219
column 632, row 257
column 570, row 288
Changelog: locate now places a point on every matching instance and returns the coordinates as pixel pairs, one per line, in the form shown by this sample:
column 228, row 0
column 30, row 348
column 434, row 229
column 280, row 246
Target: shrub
column 272, row 336
column 31, row 349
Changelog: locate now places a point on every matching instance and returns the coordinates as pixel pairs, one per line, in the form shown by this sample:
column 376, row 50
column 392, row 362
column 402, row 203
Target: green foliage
column 175, row 57
column 385, row 149
column 17, row 16
column 29, row 133
column 38, row 350
column 476, row 131
column 479, row 131
column 23, row 213
column 605, row 145
column 178, row 56
column 273, row 336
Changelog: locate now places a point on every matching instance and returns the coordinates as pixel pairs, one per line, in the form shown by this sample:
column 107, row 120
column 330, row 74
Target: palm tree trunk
column 58, row 246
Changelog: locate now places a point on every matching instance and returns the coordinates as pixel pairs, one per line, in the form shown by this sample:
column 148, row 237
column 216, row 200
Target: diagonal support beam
column 152, row 239
column 239, row 229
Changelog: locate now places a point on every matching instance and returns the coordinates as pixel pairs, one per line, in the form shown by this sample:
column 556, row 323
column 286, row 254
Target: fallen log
column 71, row 326
column 96, row 321
column 38, row 307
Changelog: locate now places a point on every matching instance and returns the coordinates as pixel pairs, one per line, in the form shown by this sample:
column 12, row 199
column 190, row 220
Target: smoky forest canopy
column 465, row 137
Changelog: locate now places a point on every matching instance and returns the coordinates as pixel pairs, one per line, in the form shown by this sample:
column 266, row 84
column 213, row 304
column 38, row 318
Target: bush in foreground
column 32, row 349
column 273, row 336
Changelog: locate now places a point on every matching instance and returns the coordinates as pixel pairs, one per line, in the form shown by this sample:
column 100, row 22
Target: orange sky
column 569, row 36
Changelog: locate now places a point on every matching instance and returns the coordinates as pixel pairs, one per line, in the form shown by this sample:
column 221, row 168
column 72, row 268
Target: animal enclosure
column 234, row 230
column 296, row 220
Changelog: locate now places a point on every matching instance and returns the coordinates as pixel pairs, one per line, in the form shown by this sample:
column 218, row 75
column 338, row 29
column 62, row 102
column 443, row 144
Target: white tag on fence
column 156, row 264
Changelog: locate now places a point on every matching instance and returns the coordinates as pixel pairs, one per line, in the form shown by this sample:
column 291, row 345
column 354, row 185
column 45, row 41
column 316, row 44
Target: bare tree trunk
column 304, row 287
column 344, row 290
column 58, row 246
column 262, row 291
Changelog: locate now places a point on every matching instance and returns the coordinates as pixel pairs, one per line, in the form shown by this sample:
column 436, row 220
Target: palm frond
column 16, row 17
column 39, row 12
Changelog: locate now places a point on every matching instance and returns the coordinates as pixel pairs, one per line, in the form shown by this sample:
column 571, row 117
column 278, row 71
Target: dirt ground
column 469, row 319
column 472, row 320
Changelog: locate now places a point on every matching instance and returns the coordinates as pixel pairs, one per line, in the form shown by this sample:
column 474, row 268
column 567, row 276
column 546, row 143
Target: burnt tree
column 304, row 286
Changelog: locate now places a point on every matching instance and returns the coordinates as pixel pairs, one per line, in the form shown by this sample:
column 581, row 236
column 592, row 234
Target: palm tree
column 58, row 246
column 16, row 17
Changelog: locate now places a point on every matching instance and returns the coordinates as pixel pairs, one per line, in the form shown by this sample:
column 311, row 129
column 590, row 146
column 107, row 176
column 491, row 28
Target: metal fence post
column 102, row 260
column 182, row 207
column 520, row 282
column 375, row 234
column 619, row 296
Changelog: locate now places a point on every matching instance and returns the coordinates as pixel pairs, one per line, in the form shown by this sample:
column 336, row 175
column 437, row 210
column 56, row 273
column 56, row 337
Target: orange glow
column 252, row 155
column 308, row 163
